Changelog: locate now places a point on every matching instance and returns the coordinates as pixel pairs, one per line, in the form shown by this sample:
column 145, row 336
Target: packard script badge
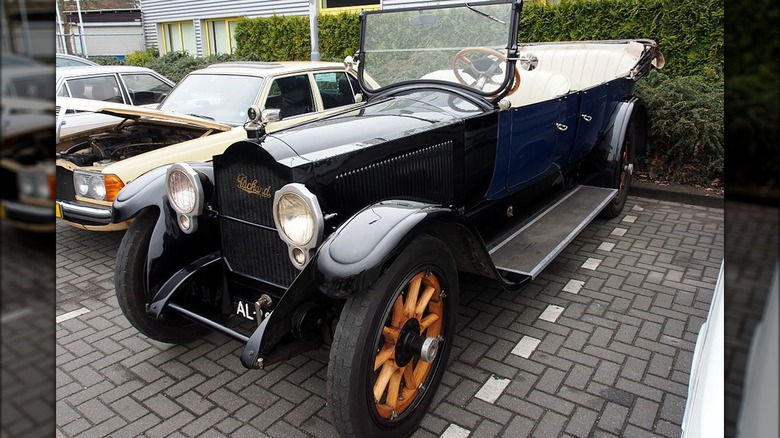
column 253, row 188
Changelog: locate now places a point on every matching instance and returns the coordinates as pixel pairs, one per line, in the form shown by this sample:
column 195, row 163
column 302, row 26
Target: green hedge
column 686, row 142
column 286, row 38
column 690, row 33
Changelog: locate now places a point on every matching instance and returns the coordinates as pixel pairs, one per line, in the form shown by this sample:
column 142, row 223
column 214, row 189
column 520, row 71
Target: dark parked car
column 471, row 154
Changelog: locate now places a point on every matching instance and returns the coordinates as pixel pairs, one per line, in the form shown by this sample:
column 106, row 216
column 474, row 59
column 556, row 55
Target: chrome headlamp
column 299, row 221
column 185, row 193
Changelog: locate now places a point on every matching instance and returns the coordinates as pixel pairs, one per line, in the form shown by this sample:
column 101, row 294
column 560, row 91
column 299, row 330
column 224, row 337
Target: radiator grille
column 238, row 203
column 65, row 189
column 248, row 247
column 422, row 175
column 256, row 252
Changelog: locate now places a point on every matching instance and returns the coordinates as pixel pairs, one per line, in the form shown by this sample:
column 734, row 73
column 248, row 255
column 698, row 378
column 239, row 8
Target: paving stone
column 614, row 362
column 581, row 422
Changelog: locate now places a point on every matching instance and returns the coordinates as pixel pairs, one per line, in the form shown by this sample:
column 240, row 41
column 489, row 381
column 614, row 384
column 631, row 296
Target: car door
column 534, row 142
column 291, row 95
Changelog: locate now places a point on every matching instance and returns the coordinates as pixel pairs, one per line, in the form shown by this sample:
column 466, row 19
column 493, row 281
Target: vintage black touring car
column 471, row 153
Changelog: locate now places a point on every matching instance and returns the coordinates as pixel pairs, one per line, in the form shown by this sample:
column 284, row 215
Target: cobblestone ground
column 600, row 344
column 26, row 279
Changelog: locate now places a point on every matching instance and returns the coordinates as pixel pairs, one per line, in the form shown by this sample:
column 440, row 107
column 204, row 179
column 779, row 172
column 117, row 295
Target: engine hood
column 122, row 111
column 374, row 123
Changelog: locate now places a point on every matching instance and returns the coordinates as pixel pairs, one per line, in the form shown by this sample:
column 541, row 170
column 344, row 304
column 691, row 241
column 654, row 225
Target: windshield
column 465, row 44
column 219, row 97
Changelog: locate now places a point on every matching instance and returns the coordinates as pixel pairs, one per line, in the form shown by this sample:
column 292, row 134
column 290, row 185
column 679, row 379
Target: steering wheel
column 480, row 70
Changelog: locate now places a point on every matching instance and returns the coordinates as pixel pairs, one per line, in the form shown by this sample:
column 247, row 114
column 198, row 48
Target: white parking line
column 620, row 232
column 492, row 389
column 591, row 264
column 551, row 313
column 71, row 315
column 526, row 346
column 574, row 286
column 455, row 431
column 606, row 246
column 15, row 314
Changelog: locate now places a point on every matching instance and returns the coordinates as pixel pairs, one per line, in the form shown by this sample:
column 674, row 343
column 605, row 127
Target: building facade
column 207, row 27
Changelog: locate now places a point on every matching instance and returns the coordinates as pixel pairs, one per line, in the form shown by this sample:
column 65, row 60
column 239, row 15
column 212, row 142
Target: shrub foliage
column 686, row 143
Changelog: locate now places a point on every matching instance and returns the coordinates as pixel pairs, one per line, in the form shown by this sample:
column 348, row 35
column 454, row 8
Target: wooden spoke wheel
column 391, row 345
column 400, row 372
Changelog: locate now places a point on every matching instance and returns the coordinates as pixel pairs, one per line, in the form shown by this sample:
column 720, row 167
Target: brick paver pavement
column 27, row 333
column 600, row 344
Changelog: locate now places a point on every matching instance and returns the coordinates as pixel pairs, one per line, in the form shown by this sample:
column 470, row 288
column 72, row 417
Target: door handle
column 587, row 118
column 561, row 126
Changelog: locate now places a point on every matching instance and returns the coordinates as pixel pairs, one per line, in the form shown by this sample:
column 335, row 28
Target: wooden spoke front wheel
column 417, row 313
column 391, row 344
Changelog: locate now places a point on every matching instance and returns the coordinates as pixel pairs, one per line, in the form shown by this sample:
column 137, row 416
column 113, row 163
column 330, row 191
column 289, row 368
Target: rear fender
column 603, row 162
column 360, row 250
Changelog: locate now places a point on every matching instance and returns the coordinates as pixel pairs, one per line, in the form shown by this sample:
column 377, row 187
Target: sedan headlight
column 35, row 183
column 299, row 221
column 185, row 193
column 96, row 185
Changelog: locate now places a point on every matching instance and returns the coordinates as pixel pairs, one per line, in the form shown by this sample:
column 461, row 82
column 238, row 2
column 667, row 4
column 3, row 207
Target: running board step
column 531, row 248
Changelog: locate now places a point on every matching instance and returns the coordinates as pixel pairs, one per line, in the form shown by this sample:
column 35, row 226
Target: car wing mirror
column 270, row 115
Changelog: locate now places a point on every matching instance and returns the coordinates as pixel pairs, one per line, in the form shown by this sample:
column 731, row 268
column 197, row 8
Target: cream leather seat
column 538, row 85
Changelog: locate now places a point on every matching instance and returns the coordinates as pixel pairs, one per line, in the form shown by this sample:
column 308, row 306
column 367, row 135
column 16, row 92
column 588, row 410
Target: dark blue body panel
column 539, row 140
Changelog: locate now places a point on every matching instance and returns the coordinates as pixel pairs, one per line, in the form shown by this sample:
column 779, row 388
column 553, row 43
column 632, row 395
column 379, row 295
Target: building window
column 178, row 37
column 348, row 5
column 221, row 35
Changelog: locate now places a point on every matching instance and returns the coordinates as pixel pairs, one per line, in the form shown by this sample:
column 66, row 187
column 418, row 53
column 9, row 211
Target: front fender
column 359, row 251
column 170, row 249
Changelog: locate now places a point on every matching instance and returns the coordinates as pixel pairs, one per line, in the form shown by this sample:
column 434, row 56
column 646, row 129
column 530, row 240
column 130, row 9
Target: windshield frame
column 491, row 95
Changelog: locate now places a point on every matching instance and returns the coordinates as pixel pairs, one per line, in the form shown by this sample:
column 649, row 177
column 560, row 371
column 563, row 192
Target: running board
column 531, row 248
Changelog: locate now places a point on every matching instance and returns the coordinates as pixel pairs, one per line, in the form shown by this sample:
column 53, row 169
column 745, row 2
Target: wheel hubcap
column 409, row 343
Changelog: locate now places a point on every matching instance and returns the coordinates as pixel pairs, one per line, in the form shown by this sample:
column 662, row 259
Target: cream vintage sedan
column 201, row 117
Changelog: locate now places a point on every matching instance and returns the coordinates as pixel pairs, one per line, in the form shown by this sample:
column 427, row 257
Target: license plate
column 246, row 309
column 57, row 210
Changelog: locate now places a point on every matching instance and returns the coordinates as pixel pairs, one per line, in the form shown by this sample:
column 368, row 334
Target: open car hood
column 133, row 112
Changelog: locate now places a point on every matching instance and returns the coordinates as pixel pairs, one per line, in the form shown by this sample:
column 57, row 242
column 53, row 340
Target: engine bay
column 124, row 141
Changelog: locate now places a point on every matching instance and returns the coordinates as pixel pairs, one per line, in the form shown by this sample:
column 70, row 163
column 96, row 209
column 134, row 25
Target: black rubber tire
column 626, row 158
column 130, row 285
column 349, row 384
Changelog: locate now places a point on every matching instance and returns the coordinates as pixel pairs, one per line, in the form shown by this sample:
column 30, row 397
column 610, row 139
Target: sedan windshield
column 217, row 97
column 465, row 44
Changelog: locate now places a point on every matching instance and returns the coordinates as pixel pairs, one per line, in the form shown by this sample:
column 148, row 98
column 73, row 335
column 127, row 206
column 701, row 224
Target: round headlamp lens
column 97, row 188
column 26, row 184
column 81, row 182
column 181, row 192
column 296, row 218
